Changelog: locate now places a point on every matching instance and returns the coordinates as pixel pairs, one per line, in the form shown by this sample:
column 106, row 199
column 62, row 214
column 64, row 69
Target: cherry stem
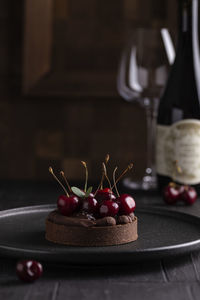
column 101, row 182
column 186, row 187
column 123, row 173
column 100, row 186
column 105, row 174
column 173, row 184
column 107, row 157
column 114, row 180
column 65, row 179
column 86, row 175
column 51, row 171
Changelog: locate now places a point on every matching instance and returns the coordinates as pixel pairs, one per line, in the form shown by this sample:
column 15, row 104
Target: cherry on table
column 188, row 195
column 29, row 270
column 171, row 193
column 126, row 204
column 108, row 208
column 68, row 205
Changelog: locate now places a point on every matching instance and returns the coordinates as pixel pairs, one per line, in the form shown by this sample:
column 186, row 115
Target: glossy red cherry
column 126, row 204
column 29, row 270
column 189, row 195
column 107, row 190
column 90, row 205
column 67, row 205
column 181, row 189
column 108, row 208
column 105, row 194
column 91, row 195
column 171, row 194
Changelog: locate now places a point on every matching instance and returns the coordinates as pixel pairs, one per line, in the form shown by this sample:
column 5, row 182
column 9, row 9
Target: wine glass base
column 148, row 183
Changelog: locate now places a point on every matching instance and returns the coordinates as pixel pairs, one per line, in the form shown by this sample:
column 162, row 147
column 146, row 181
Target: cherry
column 29, row 270
column 67, row 205
column 90, row 205
column 108, row 208
column 188, row 195
column 181, row 189
column 105, row 194
column 107, row 190
column 91, row 195
column 126, row 204
column 171, row 193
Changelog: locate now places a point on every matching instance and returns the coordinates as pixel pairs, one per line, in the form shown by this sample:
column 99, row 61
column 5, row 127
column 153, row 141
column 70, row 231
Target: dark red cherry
column 126, row 204
column 90, row 205
column 105, row 194
column 91, row 195
column 171, row 194
column 67, row 205
column 189, row 195
column 106, row 190
column 108, row 208
column 181, row 189
column 29, row 270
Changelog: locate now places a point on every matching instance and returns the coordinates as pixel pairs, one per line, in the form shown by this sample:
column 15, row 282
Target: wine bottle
column 178, row 122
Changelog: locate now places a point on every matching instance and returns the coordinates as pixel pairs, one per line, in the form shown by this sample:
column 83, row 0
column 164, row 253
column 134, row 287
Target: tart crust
column 91, row 236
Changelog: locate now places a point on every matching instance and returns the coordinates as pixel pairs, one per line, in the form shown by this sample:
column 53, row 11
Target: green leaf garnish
column 78, row 192
column 89, row 190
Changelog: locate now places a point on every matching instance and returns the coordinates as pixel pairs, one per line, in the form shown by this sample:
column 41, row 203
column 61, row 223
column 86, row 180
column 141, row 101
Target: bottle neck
column 188, row 39
column 185, row 17
column 188, row 26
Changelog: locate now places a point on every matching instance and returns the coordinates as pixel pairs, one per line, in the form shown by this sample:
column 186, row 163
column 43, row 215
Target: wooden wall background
column 38, row 131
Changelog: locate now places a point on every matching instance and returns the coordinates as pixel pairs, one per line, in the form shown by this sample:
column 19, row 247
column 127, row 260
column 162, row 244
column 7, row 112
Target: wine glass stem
column 151, row 116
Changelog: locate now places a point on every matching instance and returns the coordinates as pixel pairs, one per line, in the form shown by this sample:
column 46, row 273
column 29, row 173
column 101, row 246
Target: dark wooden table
column 170, row 279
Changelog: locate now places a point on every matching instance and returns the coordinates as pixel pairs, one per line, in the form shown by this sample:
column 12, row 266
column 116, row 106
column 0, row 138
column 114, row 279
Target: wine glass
column 142, row 74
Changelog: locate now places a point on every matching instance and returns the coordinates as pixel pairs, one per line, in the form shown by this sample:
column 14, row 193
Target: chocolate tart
column 84, row 231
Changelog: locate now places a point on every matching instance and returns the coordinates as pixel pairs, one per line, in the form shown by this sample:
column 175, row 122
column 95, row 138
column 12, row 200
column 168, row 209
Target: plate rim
column 150, row 253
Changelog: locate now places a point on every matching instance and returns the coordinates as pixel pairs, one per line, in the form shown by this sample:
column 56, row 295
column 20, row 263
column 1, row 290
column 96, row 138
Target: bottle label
column 179, row 142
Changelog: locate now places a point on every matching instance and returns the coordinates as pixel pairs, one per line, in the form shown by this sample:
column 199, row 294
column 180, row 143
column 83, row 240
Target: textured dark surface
column 170, row 278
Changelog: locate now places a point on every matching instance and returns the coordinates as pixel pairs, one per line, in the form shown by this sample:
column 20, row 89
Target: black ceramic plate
column 161, row 233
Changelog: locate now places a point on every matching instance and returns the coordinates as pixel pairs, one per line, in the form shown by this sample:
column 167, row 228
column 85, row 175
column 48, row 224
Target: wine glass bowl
column 143, row 72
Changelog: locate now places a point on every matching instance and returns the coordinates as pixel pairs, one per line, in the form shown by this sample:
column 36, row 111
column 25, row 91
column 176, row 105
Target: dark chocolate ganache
column 86, row 220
